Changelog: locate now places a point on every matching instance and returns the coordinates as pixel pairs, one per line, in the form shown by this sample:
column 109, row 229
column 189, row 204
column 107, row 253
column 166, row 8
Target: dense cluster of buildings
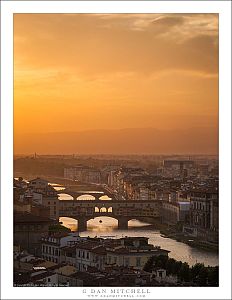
column 66, row 259
column 186, row 193
column 99, row 253
column 37, row 272
column 43, row 257
column 82, row 173
column 180, row 192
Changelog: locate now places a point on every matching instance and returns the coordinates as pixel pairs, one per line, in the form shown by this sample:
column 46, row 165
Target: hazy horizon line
column 125, row 128
column 120, row 154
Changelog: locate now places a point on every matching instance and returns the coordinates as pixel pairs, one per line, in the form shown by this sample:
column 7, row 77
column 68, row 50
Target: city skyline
column 88, row 73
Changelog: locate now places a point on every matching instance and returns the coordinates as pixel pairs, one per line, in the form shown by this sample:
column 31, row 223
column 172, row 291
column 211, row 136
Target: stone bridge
column 123, row 211
column 95, row 194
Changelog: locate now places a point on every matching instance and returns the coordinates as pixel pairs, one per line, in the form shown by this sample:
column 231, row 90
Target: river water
column 106, row 226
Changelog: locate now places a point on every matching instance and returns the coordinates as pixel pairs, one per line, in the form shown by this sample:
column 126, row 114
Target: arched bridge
column 123, row 211
column 96, row 194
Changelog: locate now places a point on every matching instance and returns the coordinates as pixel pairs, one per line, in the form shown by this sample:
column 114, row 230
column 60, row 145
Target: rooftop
column 30, row 218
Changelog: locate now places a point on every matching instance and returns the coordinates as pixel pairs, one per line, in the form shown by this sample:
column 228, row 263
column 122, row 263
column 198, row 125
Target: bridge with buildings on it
column 123, row 211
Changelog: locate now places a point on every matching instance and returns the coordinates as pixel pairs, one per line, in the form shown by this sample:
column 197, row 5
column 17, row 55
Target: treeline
column 198, row 274
column 58, row 228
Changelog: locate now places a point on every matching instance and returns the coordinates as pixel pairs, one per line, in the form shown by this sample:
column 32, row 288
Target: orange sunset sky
column 116, row 83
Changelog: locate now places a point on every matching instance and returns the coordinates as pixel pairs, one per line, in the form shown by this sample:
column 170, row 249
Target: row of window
column 83, row 254
column 126, row 262
column 199, row 205
column 50, row 250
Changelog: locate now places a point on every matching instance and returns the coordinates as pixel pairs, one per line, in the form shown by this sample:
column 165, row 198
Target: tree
column 155, row 262
column 184, row 272
column 170, row 266
column 149, row 264
column 213, row 276
column 203, row 277
column 177, row 266
column 195, row 270
column 161, row 261
column 59, row 228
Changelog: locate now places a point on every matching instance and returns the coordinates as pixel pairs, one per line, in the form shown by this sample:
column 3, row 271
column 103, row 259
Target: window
column 127, row 261
column 87, row 255
column 79, row 253
column 138, row 261
column 49, row 279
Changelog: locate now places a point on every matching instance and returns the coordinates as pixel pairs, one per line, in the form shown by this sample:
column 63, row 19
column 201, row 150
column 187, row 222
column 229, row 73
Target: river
column 106, row 226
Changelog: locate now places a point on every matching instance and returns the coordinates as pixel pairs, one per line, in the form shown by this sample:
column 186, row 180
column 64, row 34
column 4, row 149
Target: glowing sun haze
column 92, row 75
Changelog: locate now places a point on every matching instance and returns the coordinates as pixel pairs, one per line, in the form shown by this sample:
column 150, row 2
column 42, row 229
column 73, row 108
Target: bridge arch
column 105, row 197
column 65, row 196
column 103, row 224
column 86, row 197
column 137, row 222
column 68, row 222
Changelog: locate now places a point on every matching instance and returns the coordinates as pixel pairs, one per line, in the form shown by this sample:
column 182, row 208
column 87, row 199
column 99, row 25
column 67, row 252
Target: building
column 28, row 231
column 132, row 252
column 52, row 205
column 90, row 253
column 39, row 198
column 174, row 212
column 32, row 208
column 204, row 213
column 99, row 253
column 38, row 185
column 52, row 245
column 178, row 164
column 83, row 174
column 32, row 271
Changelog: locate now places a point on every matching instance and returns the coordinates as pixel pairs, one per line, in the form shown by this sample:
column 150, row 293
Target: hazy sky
column 77, row 72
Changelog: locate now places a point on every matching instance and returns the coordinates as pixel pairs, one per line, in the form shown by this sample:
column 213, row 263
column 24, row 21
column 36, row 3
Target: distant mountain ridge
column 121, row 141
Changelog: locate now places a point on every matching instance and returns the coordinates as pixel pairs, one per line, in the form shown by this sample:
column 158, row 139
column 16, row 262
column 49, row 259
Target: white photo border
column 223, row 8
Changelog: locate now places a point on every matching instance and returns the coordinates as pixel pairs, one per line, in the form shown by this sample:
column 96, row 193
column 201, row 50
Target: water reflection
column 57, row 186
column 86, row 197
column 105, row 197
column 62, row 196
column 179, row 251
column 106, row 226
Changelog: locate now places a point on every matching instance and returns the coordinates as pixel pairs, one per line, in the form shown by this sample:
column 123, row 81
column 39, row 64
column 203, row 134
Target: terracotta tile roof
column 57, row 234
column 86, row 245
column 69, row 249
column 41, row 276
column 101, row 250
